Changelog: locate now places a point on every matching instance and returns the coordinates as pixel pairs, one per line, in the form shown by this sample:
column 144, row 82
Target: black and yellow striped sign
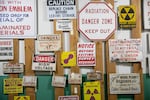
column 127, row 16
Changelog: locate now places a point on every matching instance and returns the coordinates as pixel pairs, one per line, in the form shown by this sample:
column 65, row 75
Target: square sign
column 97, row 21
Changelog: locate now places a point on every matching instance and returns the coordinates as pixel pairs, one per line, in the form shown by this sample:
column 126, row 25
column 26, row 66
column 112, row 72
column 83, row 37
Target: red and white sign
column 18, row 18
column 44, row 63
column 86, row 54
column 97, row 21
column 125, row 50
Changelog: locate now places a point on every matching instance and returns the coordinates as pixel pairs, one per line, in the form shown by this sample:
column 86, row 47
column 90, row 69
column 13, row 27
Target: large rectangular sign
column 49, row 42
column 58, row 9
column 44, row 63
column 125, row 83
column 18, row 18
column 86, row 54
column 125, row 50
column 6, row 49
column 13, row 85
column 13, row 68
column 146, row 10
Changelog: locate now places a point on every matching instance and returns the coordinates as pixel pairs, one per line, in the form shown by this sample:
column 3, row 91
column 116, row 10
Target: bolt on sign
column 127, row 16
column 68, row 59
column 61, row 9
column 13, row 68
column 21, row 97
column 44, row 62
column 92, row 90
column 58, row 81
column 146, row 5
column 125, row 83
column 97, row 21
column 71, row 97
column 86, row 54
column 18, row 19
column 49, row 42
column 30, row 81
column 125, row 50
column 6, row 49
column 13, row 85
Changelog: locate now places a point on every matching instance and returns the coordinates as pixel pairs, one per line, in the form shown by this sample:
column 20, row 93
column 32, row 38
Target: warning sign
column 127, row 16
column 21, row 97
column 68, row 59
column 13, row 85
column 92, row 90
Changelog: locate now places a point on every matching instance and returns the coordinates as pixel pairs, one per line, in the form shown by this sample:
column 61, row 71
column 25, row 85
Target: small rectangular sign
column 94, row 76
column 49, row 42
column 74, row 78
column 6, row 49
column 30, row 81
column 13, row 68
column 13, row 85
column 125, row 83
column 58, row 81
column 64, row 25
column 44, row 63
column 71, row 97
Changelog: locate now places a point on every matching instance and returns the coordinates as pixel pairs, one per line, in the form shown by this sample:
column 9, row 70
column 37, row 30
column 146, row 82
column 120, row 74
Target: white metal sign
column 44, row 63
column 97, row 21
column 13, row 68
column 58, row 81
column 64, row 25
column 125, row 50
column 49, row 42
column 71, row 97
column 146, row 5
column 58, row 9
column 125, row 83
column 74, row 78
column 86, row 54
column 30, row 81
column 6, row 49
column 18, row 18
column 94, row 75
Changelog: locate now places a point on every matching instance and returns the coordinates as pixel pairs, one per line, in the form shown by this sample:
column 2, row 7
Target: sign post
column 94, row 20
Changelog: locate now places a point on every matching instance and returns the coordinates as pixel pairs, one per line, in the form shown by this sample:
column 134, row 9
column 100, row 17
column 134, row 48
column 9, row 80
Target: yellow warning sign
column 92, row 90
column 127, row 16
column 21, row 97
column 13, row 85
column 68, row 59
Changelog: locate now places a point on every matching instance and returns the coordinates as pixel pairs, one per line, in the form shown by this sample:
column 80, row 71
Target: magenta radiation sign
column 97, row 21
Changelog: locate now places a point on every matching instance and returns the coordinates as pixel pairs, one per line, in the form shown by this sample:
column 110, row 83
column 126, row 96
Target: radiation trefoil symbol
column 127, row 16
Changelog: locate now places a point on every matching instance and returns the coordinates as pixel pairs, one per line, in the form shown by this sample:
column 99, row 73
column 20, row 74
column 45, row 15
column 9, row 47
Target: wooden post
column 136, row 33
column 29, row 51
column 15, row 60
column 59, row 91
column 110, row 66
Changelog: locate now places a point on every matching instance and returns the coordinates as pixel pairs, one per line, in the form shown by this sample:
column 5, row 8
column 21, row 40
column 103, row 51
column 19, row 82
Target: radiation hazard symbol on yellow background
column 21, row 97
column 127, row 16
